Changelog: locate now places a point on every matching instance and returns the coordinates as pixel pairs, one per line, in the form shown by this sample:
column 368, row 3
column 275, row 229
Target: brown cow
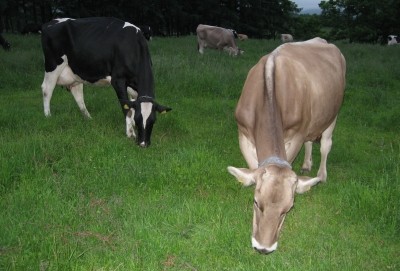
column 243, row 37
column 291, row 96
column 217, row 38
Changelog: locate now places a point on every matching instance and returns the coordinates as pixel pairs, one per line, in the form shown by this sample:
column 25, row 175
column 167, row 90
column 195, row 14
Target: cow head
column 141, row 118
column 233, row 51
column 275, row 186
column 393, row 39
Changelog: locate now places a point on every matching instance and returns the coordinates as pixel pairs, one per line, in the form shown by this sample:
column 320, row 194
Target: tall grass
column 78, row 195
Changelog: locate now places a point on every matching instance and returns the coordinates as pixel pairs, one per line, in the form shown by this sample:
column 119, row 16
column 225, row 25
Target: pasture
column 76, row 194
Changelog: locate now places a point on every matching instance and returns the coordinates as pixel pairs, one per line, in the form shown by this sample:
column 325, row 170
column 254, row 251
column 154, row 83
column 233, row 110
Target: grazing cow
column 286, row 38
column 291, row 96
column 243, row 37
column 5, row 44
column 393, row 39
column 217, row 38
column 147, row 32
column 101, row 51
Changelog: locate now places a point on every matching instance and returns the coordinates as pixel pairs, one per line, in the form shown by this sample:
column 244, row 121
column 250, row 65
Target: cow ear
column 162, row 109
column 305, row 183
column 246, row 176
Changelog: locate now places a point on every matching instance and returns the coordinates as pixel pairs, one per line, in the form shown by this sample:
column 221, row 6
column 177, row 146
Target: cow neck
column 269, row 135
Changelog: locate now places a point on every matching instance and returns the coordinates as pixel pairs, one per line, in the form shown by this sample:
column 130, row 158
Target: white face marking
column 129, row 24
column 146, row 111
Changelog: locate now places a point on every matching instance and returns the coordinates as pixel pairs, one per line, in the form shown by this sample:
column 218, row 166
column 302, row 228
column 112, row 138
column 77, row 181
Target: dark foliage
column 256, row 18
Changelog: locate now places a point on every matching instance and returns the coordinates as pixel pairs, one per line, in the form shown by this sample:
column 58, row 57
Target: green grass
column 78, row 195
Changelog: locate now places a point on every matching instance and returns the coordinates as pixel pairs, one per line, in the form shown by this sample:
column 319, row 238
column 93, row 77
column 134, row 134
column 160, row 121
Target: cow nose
column 262, row 249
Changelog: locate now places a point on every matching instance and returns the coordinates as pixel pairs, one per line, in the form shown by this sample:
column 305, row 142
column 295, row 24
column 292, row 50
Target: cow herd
column 291, row 97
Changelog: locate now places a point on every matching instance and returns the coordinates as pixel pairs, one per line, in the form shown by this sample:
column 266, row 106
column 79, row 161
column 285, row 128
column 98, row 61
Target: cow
column 217, row 38
column 286, row 38
column 147, row 32
column 290, row 97
column 4, row 43
column 243, row 37
column 393, row 39
column 101, row 51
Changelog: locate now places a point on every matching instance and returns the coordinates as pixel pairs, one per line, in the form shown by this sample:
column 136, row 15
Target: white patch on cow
column 146, row 111
column 61, row 20
column 70, row 79
column 64, row 76
column 260, row 247
column 131, row 25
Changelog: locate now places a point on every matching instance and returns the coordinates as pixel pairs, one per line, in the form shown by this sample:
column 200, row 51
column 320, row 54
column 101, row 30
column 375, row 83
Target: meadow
column 76, row 194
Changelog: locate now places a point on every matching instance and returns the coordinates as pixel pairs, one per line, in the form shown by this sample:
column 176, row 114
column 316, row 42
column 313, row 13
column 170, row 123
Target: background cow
column 286, row 38
column 217, row 38
column 5, row 44
column 292, row 96
column 393, row 39
column 243, row 37
column 147, row 32
column 101, row 51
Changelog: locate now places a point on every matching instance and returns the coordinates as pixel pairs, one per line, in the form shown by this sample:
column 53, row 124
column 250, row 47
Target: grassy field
column 76, row 194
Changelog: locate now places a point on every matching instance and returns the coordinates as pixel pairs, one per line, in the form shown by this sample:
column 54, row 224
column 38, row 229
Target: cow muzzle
column 262, row 249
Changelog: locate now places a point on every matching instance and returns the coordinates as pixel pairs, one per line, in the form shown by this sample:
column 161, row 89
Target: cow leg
column 292, row 148
column 307, row 164
column 326, row 145
column 305, row 183
column 248, row 150
column 48, row 85
column 200, row 46
column 132, row 94
column 77, row 92
column 121, row 89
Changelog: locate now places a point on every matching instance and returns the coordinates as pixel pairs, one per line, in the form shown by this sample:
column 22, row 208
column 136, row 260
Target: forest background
column 353, row 20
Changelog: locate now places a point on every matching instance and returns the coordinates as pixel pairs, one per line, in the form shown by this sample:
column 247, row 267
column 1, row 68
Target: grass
column 78, row 195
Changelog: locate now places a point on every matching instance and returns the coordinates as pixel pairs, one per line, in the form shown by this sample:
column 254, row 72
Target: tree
column 361, row 20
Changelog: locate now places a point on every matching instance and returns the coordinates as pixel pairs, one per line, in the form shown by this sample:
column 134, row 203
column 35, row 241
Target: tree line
column 356, row 20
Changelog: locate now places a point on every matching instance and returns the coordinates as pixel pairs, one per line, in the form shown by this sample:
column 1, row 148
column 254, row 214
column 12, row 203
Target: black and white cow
column 393, row 39
column 5, row 44
column 102, row 51
column 147, row 32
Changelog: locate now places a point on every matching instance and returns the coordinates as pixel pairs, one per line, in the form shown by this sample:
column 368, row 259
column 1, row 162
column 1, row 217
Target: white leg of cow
column 48, row 85
column 305, row 183
column 132, row 94
column 248, row 151
column 77, row 92
column 292, row 148
column 307, row 163
column 326, row 145
column 130, row 123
